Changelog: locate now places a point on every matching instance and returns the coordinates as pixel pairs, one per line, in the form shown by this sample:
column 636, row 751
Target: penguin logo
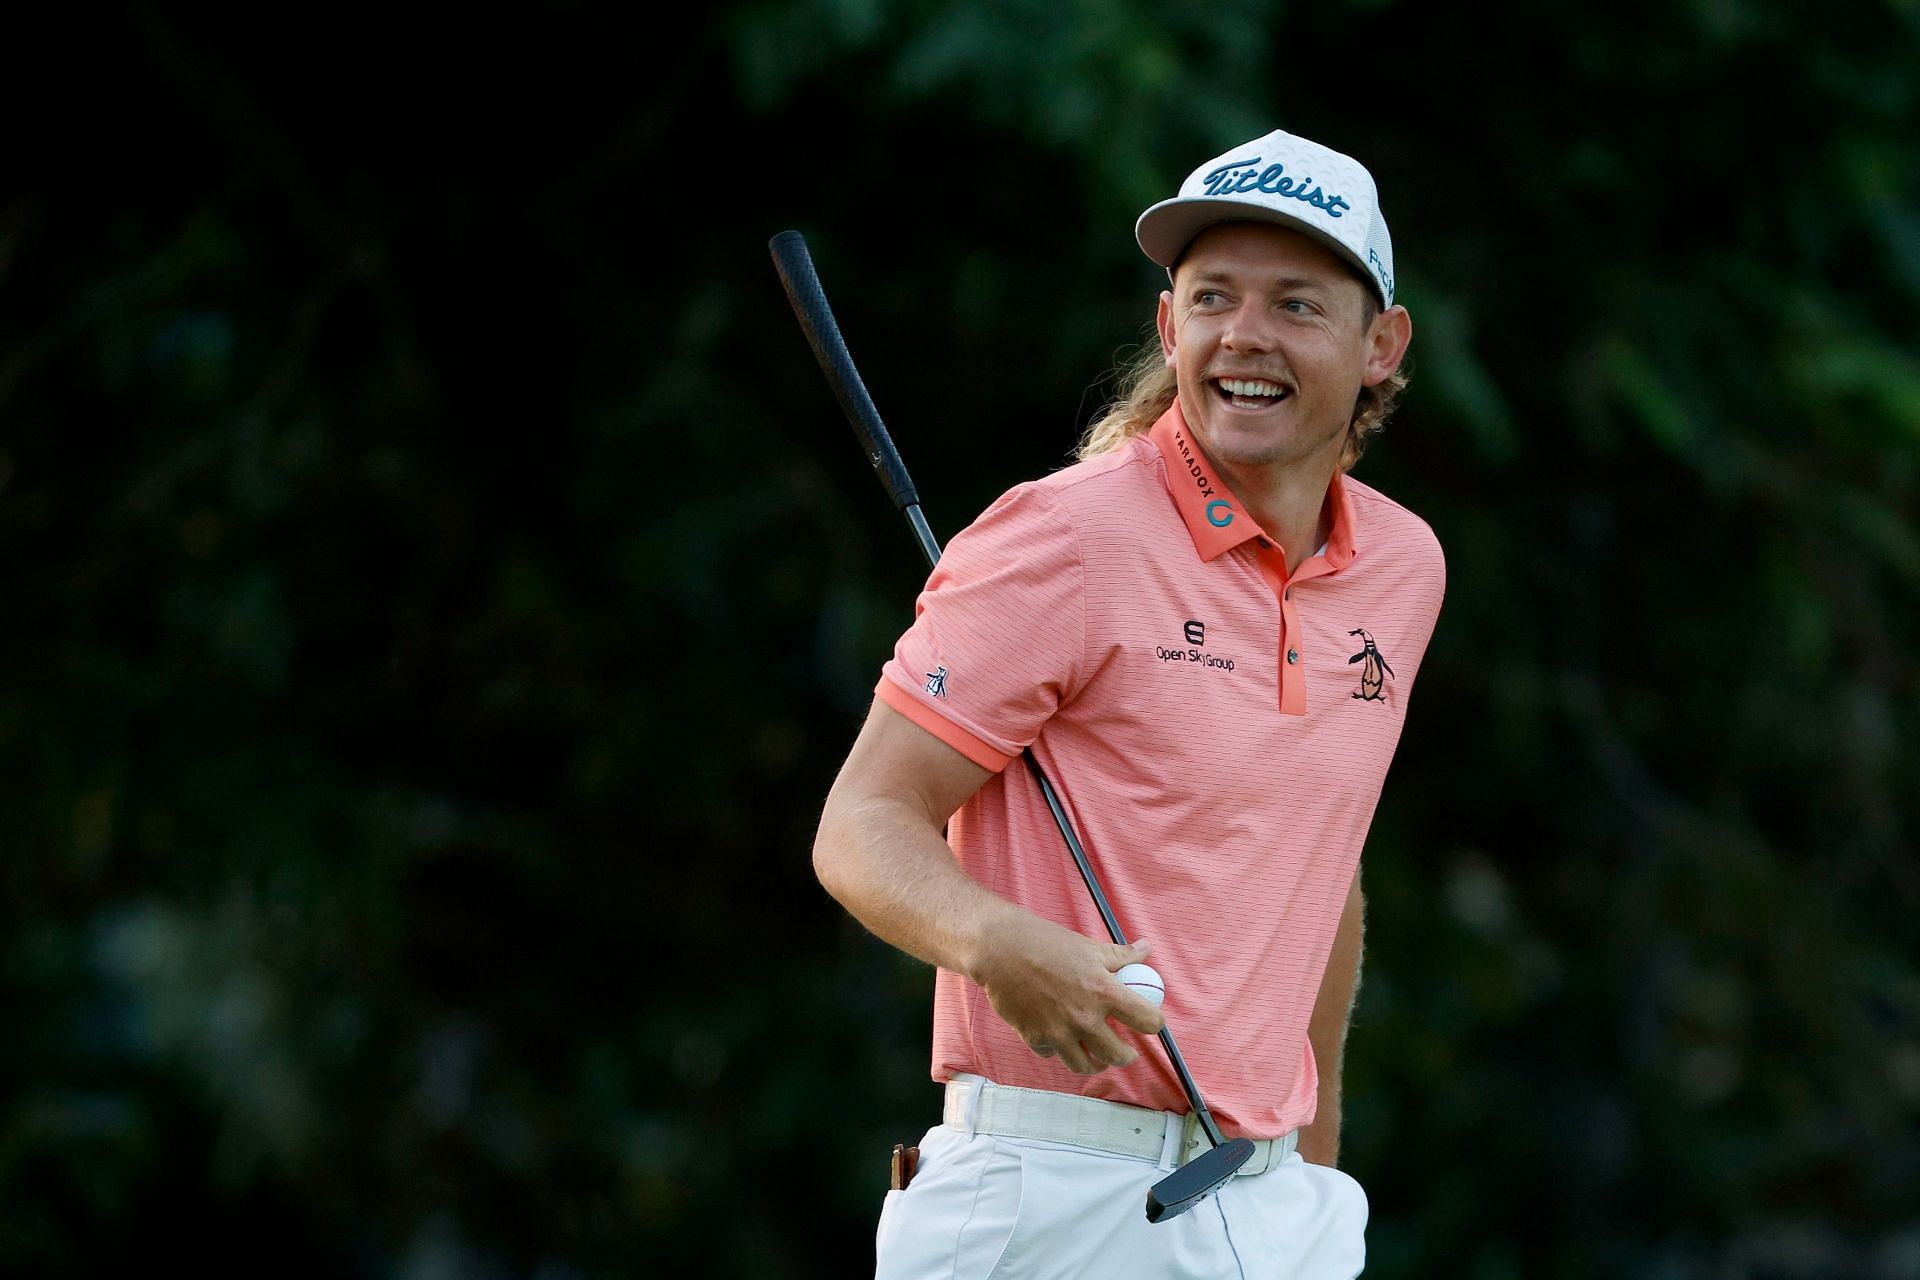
column 937, row 682
column 1373, row 676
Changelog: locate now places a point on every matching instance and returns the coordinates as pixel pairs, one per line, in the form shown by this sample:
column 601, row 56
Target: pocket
column 1071, row 1202
column 1340, row 1231
column 1013, row 1258
column 1303, row 1219
column 1358, row 1192
column 880, row 1232
column 956, row 1218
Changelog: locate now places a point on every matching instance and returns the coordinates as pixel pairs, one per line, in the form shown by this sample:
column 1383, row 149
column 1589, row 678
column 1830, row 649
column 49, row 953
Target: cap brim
column 1165, row 230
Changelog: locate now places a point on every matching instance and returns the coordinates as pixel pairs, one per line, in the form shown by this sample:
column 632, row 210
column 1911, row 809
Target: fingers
column 1075, row 1059
column 1080, row 1062
column 1138, row 1012
column 1109, row 1050
column 1042, row 984
column 1090, row 1056
column 1097, row 1046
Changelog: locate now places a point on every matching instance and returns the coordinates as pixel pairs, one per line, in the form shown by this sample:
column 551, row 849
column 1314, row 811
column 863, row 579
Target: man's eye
column 1207, row 297
column 1296, row 306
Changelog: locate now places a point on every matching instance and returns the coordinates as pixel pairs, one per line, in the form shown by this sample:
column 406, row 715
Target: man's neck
column 1289, row 502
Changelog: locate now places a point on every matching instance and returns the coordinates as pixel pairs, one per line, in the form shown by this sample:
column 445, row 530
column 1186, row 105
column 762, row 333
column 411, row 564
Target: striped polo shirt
column 1217, row 729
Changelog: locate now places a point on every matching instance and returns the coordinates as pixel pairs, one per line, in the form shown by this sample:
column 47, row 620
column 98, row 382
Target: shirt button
column 1293, row 656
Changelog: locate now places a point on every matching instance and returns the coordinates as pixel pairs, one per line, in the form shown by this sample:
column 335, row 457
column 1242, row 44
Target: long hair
column 1148, row 389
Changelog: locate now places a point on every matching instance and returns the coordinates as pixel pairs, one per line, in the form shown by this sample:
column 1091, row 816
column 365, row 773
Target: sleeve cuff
column 981, row 753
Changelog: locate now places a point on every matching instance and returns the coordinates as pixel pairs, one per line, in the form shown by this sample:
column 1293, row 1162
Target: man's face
column 1271, row 339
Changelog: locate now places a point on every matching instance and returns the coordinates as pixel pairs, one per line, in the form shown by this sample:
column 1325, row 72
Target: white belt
column 1170, row 1138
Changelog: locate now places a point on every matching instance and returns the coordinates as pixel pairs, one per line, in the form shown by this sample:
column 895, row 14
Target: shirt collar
column 1214, row 517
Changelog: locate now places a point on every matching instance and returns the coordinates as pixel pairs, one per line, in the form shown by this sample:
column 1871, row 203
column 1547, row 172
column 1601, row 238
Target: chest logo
column 937, row 682
column 1374, row 673
column 1196, row 634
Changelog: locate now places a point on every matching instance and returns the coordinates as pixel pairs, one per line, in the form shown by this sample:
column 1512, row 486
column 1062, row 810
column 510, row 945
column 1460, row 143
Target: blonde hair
column 1148, row 389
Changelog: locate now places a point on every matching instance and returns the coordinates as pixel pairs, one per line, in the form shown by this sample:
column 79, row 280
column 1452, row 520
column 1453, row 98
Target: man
column 1207, row 634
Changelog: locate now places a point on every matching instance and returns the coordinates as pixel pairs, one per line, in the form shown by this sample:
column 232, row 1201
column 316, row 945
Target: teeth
column 1242, row 387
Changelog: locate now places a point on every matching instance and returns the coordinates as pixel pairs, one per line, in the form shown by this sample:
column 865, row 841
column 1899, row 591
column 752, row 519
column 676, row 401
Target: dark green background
column 438, row 589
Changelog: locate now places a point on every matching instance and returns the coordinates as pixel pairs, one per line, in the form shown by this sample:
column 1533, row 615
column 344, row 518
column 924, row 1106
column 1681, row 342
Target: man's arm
column 882, row 854
column 1327, row 1029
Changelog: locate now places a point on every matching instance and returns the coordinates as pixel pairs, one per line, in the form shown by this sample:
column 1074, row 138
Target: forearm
column 886, row 862
column 1327, row 1029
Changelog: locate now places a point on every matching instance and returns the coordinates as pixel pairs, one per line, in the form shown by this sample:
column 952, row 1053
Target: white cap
column 1282, row 179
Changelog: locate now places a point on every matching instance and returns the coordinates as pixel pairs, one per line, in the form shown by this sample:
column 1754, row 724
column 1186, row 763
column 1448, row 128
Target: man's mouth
column 1251, row 393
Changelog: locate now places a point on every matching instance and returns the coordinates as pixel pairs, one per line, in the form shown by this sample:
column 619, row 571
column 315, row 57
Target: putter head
column 1197, row 1179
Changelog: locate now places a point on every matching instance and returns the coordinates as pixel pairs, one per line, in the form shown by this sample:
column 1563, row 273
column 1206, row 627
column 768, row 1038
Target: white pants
column 1021, row 1209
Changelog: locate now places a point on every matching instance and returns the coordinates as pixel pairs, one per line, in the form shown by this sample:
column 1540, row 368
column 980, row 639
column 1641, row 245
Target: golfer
column 1207, row 632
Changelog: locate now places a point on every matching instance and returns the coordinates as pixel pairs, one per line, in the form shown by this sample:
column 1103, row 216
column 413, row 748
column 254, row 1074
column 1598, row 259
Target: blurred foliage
column 439, row 590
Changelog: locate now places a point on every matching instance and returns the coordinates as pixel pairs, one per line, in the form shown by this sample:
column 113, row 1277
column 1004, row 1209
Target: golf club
column 1201, row 1177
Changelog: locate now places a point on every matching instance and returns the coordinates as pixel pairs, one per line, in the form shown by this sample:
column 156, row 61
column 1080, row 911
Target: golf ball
column 1143, row 981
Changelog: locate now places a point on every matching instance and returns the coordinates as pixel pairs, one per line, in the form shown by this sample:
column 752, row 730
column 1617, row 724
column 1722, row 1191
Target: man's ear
column 1163, row 320
column 1387, row 341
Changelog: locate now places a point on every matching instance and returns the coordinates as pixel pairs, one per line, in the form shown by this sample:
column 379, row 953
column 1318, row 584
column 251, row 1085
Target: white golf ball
column 1143, row 981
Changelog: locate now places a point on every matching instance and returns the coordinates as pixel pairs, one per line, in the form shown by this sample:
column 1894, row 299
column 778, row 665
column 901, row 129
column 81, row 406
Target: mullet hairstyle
column 1148, row 389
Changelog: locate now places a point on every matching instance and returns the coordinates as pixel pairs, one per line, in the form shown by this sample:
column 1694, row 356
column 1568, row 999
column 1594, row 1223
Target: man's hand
column 1056, row 989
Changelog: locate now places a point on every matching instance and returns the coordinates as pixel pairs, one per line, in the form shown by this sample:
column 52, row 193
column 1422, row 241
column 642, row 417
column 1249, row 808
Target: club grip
column 802, row 282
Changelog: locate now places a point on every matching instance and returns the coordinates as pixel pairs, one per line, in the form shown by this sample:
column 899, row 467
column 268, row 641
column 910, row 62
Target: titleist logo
column 1237, row 177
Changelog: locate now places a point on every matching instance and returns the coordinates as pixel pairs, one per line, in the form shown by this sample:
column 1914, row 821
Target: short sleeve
column 999, row 634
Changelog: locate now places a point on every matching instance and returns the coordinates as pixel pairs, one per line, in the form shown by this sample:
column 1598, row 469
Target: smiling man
column 1207, row 633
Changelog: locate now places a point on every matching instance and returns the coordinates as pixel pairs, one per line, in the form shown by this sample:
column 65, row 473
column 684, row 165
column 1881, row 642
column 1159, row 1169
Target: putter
column 1200, row 1177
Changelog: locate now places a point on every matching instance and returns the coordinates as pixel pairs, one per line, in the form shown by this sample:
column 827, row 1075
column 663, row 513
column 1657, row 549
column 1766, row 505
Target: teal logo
column 1237, row 177
column 1219, row 513
column 1380, row 270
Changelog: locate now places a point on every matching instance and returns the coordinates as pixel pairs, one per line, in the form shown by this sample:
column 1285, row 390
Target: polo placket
column 1272, row 562
column 1214, row 518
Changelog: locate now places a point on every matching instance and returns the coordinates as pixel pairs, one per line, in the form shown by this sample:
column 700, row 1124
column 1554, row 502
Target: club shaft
column 809, row 300
column 1114, row 931
column 929, row 545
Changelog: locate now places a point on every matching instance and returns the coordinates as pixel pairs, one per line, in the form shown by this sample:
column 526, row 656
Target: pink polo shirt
column 1217, row 731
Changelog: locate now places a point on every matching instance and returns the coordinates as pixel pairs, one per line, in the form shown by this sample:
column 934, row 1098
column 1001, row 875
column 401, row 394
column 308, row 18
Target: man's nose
column 1249, row 328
